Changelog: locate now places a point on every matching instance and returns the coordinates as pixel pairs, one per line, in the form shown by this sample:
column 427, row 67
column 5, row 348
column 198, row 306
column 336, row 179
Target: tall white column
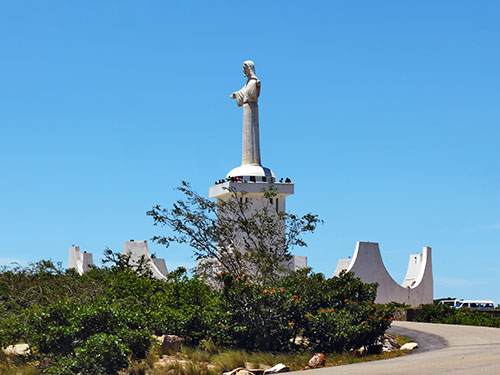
column 251, row 143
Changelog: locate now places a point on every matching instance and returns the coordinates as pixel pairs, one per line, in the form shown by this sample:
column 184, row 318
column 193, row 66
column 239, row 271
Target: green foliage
column 355, row 325
column 70, row 333
column 231, row 236
column 186, row 307
column 439, row 313
column 253, row 317
column 40, row 284
column 435, row 313
column 102, row 354
column 333, row 315
column 102, row 330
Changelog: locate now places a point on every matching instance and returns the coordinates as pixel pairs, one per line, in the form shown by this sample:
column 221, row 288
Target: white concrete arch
column 81, row 262
column 417, row 287
column 138, row 249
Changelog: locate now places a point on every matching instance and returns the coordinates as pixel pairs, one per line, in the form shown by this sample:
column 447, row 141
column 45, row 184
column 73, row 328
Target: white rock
column 409, row 346
column 18, row 349
column 318, row 360
column 280, row 367
column 234, row 371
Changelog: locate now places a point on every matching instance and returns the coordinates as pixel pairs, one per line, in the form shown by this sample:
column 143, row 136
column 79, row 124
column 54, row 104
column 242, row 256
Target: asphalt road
column 444, row 349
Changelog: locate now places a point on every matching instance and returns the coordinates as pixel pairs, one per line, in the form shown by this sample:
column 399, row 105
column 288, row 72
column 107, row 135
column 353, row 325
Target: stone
column 244, row 372
column 389, row 343
column 280, row 367
column 234, row 371
column 317, row 360
column 170, row 343
column 409, row 346
column 18, row 349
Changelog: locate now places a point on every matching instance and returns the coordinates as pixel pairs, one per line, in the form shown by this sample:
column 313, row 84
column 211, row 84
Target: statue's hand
column 232, row 96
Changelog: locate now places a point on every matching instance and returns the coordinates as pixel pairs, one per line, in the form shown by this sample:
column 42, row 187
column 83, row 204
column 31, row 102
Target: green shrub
column 102, row 354
column 334, row 314
column 439, row 313
column 69, row 333
column 123, row 308
column 254, row 317
column 435, row 313
column 351, row 327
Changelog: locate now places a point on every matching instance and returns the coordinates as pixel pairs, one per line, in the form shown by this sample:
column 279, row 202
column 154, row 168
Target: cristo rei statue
column 248, row 97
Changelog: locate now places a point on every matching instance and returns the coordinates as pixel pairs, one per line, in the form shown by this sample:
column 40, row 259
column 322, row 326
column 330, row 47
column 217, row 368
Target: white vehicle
column 450, row 303
column 469, row 304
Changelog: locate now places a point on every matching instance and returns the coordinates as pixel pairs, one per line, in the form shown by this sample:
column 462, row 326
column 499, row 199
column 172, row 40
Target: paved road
column 446, row 349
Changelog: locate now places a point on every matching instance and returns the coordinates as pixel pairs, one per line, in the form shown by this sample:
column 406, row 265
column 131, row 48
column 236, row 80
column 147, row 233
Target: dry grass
column 213, row 361
column 16, row 365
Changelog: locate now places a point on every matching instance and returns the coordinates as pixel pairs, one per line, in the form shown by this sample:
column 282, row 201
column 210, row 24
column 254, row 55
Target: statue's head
column 249, row 69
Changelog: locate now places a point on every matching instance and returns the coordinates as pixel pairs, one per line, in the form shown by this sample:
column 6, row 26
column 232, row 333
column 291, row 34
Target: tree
column 232, row 236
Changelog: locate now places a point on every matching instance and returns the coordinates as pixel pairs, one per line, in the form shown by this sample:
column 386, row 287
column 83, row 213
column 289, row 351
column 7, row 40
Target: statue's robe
column 249, row 93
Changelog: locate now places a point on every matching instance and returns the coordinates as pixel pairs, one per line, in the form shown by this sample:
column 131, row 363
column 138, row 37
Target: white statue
column 248, row 97
column 251, row 91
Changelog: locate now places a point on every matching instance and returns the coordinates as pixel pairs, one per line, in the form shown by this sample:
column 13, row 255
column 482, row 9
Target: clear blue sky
column 385, row 115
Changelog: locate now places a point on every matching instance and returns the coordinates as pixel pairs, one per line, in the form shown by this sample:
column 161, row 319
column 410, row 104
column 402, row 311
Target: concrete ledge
column 252, row 188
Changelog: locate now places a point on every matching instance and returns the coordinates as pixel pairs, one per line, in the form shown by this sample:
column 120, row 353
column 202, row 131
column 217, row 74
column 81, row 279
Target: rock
column 389, row 343
column 409, row 346
column 18, row 349
column 256, row 369
column 170, row 343
column 317, row 360
column 280, row 367
column 244, row 372
column 233, row 372
column 239, row 371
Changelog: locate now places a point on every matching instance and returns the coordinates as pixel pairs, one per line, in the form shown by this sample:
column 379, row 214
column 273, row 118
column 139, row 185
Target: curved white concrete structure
column 251, row 170
column 81, row 262
column 137, row 249
column 367, row 264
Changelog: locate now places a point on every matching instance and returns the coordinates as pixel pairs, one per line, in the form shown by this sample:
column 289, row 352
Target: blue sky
column 385, row 115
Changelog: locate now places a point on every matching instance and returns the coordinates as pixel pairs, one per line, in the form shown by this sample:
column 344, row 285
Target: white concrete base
column 297, row 262
column 138, row 249
column 81, row 262
column 367, row 264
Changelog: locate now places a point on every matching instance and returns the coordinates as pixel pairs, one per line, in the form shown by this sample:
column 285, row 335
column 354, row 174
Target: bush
column 352, row 327
column 253, row 317
column 336, row 314
column 439, row 313
column 114, row 320
column 435, row 313
column 102, row 354
column 70, row 334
